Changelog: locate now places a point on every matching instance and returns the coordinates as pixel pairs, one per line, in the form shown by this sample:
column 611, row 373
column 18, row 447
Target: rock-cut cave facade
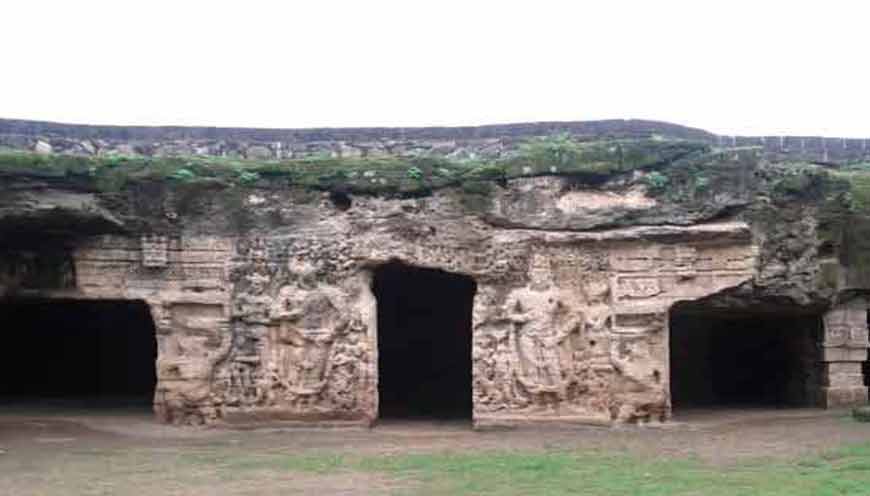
column 587, row 288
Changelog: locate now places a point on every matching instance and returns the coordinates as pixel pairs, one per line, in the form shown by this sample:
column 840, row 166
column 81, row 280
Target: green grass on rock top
column 403, row 176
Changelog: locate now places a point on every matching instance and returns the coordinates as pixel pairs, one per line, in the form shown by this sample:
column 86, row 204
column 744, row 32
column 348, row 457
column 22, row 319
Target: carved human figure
column 306, row 324
column 349, row 354
column 484, row 386
column 540, row 327
column 253, row 305
column 300, row 361
column 503, row 368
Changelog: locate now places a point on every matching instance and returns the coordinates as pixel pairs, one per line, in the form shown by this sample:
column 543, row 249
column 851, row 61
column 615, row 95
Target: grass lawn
column 843, row 471
column 415, row 461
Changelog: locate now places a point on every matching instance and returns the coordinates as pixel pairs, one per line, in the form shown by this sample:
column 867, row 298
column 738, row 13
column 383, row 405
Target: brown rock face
column 266, row 308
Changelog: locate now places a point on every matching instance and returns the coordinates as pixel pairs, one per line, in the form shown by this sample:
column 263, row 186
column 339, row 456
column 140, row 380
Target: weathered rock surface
column 260, row 284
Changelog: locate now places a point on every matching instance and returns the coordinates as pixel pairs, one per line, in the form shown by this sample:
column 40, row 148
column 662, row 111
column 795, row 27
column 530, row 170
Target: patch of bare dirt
column 131, row 454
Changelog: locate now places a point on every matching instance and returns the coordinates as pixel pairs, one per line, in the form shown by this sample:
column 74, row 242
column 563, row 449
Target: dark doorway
column 79, row 353
column 424, row 342
column 721, row 359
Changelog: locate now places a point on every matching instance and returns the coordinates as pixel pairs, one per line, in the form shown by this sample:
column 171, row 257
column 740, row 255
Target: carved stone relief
column 192, row 339
column 269, row 328
column 586, row 339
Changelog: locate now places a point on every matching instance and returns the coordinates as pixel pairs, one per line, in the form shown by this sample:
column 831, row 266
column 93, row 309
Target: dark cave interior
column 86, row 353
column 424, row 342
column 743, row 359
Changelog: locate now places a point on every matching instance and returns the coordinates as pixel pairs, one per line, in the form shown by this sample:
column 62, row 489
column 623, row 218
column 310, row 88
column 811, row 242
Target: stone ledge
column 275, row 417
column 486, row 422
column 722, row 232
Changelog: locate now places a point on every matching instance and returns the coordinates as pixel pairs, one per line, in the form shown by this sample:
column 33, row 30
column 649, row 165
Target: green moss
column 841, row 199
column 829, row 276
column 656, row 181
column 694, row 179
column 801, row 181
column 248, row 177
column 565, row 156
column 859, row 188
column 389, row 176
column 476, row 195
column 240, row 218
column 183, row 175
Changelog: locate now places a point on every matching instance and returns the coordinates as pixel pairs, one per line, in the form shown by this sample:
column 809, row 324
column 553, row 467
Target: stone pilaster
column 844, row 349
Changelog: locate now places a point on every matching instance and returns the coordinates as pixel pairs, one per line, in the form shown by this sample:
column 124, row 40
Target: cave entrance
column 79, row 354
column 424, row 342
column 743, row 360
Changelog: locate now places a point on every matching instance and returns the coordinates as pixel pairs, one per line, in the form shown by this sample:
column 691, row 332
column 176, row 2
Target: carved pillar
column 844, row 349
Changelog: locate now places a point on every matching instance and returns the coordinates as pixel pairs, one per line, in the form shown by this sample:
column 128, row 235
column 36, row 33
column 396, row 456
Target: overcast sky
column 732, row 67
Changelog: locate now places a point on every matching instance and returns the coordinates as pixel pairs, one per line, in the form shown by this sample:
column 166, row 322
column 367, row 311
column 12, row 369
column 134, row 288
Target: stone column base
column 835, row 397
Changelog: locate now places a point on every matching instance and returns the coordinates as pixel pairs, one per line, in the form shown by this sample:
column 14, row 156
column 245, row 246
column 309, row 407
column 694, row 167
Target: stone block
column 835, row 397
column 841, row 354
column 843, row 374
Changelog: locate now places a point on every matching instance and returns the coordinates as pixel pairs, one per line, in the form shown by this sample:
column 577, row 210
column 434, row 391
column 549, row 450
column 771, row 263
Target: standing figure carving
column 541, row 323
column 316, row 351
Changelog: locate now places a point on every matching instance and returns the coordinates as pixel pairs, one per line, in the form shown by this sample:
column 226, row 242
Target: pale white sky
column 729, row 66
